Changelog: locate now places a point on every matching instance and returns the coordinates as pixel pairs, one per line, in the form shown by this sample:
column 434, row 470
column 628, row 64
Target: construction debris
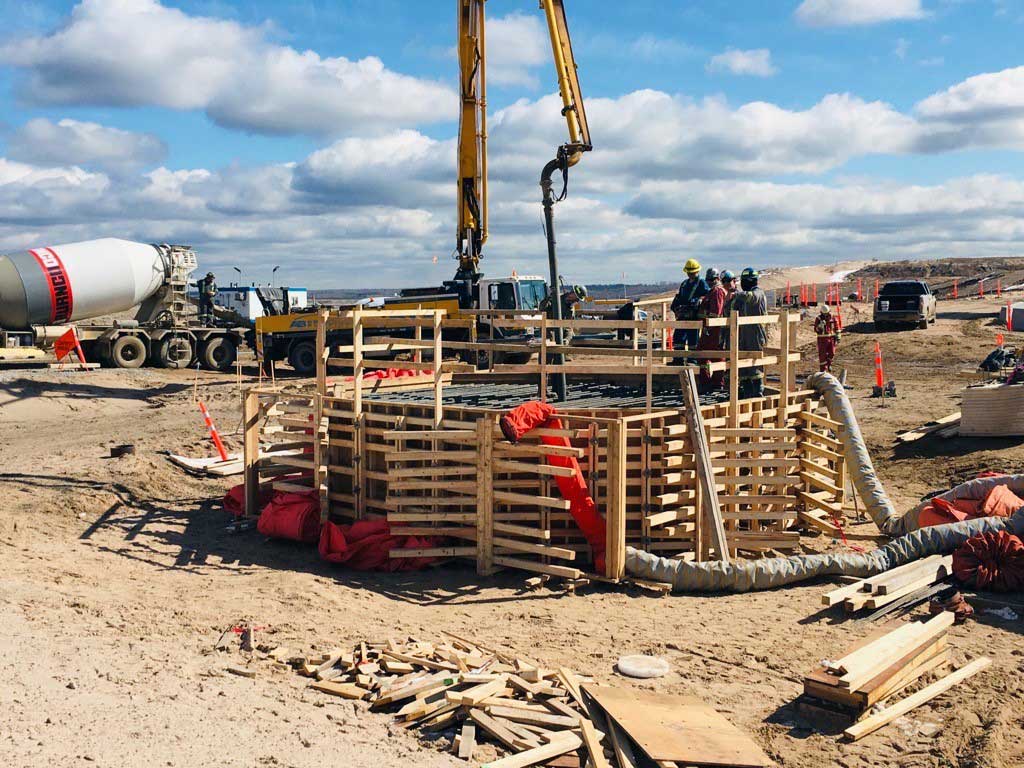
column 947, row 426
column 537, row 714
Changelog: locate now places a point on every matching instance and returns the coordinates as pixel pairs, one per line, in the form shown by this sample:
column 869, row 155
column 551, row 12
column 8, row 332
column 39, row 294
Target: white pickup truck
column 905, row 301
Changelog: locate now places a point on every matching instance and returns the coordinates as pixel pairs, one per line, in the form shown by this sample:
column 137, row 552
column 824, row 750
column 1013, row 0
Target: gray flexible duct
column 858, row 460
column 747, row 575
column 912, row 544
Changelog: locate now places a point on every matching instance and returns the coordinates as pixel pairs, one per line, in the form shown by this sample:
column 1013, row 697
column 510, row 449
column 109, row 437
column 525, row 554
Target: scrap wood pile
column 881, row 666
column 895, row 589
column 538, row 716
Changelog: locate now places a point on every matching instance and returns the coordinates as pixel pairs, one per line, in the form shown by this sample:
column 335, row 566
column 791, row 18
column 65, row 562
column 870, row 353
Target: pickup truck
column 905, row 301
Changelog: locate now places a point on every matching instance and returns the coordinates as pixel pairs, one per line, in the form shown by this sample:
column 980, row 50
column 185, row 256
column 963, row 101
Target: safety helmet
column 580, row 291
column 210, row 275
column 825, row 309
column 692, row 267
column 711, row 274
column 748, row 278
column 727, row 276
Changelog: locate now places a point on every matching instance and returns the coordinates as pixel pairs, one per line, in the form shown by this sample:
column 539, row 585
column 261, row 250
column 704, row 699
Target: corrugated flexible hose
column 911, row 544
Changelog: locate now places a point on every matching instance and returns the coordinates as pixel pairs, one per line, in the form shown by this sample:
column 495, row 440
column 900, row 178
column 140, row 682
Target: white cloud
column 994, row 95
column 139, row 52
column 757, row 62
column 90, row 145
column 669, row 176
column 901, row 48
column 516, row 44
column 847, row 13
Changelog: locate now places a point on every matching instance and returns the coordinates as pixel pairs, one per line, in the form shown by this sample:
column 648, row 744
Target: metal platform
column 581, row 396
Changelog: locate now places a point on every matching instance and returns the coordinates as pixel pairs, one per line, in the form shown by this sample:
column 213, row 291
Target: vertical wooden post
column 251, row 451
column 417, row 355
column 543, row 393
column 734, row 368
column 784, row 366
column 615, row 523
column 438, row 366
column 358, row 422
column 323, row 351
column 666, row 333
column 649, row 396
column 485, row 496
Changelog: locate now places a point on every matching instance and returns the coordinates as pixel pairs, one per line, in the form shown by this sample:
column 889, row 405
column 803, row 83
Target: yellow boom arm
column 472, row 153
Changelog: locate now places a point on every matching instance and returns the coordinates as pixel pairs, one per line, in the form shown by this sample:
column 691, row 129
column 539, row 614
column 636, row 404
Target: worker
column 728, row 283
column 712, row 305
column 750, row 301
column 826, row 326
column 207, row 293
column 684, row 305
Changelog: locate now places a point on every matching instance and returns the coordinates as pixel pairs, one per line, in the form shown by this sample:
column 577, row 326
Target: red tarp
column 993, row 560
column 528, row 416
column 1000, row 501
column 294, row 516
column 364, row 546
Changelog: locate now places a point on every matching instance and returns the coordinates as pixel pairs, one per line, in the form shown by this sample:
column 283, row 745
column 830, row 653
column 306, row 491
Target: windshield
column 532, row 292
column 903, row 289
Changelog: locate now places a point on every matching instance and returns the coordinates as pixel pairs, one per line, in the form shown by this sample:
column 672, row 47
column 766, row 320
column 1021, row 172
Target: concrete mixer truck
column 45, row 290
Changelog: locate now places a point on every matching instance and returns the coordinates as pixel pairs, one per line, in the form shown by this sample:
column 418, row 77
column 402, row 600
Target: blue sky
column 320, row 134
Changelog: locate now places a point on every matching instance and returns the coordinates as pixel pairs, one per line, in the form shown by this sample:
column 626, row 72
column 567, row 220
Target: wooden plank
column 485, row 498
column 939, row 565
column 467, row 741
column 534, row 549
column 526, row 565
column 705, row 471
column 863, row 665
column 615, row 523
column 344, row 690
column 534, row 469
column 524, row 498
column 872, row 723
column 558, row 746
column 680, row 729
column 593, row 744
column 494, row 728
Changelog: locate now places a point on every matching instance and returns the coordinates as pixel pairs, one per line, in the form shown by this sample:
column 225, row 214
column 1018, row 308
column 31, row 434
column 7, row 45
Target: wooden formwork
column 441, row 468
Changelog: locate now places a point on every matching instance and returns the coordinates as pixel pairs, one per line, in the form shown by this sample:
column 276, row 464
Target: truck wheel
column 174, row 352
column 302, row 357
column 218, row 354
column 923, row 324
column 128, row 352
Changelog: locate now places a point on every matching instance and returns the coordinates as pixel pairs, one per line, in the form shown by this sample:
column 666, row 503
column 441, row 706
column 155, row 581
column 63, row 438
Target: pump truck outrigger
column 291, row 336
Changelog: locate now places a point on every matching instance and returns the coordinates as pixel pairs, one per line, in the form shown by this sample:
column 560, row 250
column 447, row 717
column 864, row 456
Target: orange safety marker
column 1009, row 316
column 876, row 287
column 860, row 289
column 956, row 288
column 213, row 431
column 1000, row 339
column 879, row 375
column 999, row 287
column 981, row 288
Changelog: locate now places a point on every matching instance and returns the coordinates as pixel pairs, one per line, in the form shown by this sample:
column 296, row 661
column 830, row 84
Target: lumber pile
column 882, row 665
column 947, row 426
column 537, row 715
column 896, row 586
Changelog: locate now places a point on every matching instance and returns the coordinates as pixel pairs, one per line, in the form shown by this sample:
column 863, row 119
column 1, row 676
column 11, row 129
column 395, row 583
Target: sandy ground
column 119, row 576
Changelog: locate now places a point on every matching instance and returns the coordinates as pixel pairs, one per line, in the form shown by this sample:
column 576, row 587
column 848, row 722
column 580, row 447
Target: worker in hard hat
column 207, row 294
column 684, row 306
column 711, row 305
column 750, row 301
column 826, row 326
column 570, row 300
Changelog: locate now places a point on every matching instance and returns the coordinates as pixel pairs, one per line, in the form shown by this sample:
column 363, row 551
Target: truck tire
column 175, row 352
column 923, row 324
column 302, row 357
column 128, row 352
column 218, row 353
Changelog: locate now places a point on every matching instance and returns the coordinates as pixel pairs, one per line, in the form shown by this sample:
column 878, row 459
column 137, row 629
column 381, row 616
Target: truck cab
column 515, row 292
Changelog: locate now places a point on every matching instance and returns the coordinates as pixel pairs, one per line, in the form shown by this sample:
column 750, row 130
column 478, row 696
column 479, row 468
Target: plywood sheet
column 680, row 729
